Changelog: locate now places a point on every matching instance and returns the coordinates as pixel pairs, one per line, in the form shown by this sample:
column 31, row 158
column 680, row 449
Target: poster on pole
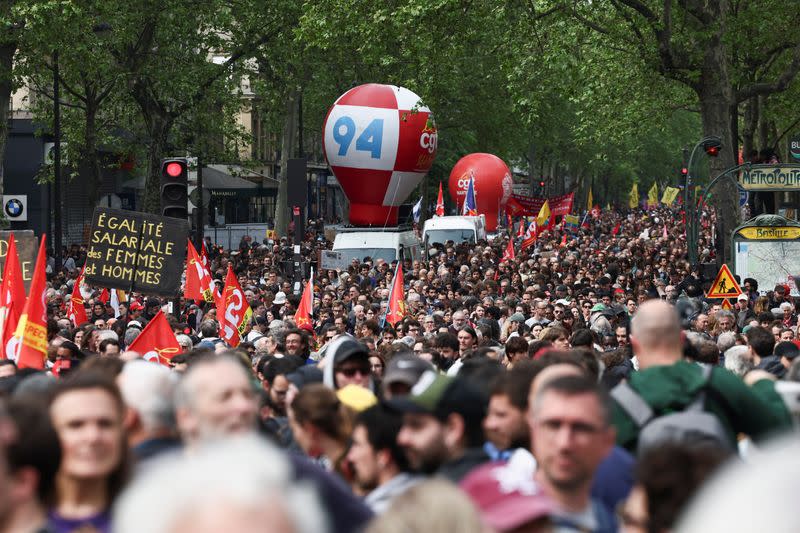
column 136, row 252
column 27, row 248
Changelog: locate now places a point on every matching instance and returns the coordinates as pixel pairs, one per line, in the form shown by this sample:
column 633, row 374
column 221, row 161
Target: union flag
column 236, row 311
column 305, row 310
column 76, row 310
column 12, row 299
column 397, row 299
column 31, row 334
column 156, row 342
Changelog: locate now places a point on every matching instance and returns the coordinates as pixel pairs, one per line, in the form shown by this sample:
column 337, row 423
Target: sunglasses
column 351, row 372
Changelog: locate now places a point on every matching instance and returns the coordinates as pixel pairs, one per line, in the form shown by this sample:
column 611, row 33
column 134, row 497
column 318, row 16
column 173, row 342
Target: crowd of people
column 585, row 385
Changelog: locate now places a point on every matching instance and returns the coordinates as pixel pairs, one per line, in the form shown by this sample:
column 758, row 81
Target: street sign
column 724, row 285
column 779, row 177
column 794, row 147
column 727, row 305
column 136, row 251
column 744, row 196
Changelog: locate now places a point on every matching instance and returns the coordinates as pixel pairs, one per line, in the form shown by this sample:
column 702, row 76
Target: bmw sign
column 15, row 207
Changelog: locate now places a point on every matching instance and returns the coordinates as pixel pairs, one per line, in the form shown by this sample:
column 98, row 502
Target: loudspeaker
column 297, row 182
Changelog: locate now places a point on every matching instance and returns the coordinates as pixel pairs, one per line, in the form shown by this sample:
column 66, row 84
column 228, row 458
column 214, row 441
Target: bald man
column 669, row 384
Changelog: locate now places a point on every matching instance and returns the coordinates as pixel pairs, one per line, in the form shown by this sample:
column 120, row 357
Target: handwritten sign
column 27, row 248
column 136, row 251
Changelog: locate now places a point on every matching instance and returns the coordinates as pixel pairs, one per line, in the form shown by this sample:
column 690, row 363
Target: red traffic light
column 712, row 151
column 541, row 184
column 174, row 169
column 684, row 171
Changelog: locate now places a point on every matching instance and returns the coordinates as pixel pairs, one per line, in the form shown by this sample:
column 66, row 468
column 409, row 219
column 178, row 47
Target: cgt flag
column 157, row 342
column 31, row 333
column 303, row 317
column 397, row 299
column 12, row 299
column 236, row 311
column 530, row 236
column 198, row 278
column 76, row 310
column 440, row 202
column 508, row 255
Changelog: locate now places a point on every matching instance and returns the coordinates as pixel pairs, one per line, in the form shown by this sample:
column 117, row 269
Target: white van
column 456, row 228
column 383, row 243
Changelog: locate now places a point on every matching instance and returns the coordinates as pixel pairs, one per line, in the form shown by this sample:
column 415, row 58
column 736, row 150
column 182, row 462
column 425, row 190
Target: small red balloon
column 493, row 184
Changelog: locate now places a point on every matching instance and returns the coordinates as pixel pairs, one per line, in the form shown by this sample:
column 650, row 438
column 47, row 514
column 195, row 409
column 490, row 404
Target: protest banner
column 531, row 205
column 27, row 246
column 136, row 251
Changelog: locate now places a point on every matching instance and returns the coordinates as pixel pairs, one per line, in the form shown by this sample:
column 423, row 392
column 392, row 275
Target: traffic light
column 174, row 187
column 684, row 172
column 711, row 145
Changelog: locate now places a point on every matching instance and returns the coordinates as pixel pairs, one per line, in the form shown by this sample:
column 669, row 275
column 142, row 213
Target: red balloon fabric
column 379, row 141
column 493, row 184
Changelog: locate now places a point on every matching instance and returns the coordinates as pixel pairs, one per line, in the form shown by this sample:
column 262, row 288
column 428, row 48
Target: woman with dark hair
column 321, row 425
column 87, row 412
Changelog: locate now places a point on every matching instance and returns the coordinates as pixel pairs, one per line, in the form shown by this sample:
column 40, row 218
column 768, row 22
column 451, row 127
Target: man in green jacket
column 669, row 384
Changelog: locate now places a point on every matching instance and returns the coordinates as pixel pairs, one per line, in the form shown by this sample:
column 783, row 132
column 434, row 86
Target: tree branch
column 780, row 84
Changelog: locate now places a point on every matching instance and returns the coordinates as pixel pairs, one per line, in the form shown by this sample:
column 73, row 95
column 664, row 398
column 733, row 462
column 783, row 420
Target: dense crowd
column 585, row 385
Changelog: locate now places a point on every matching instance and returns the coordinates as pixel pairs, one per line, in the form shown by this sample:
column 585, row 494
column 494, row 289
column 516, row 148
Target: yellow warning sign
column 727, row 305
column 724, row 285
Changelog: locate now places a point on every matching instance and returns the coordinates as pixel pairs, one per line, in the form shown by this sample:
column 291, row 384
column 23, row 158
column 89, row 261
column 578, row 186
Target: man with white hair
column 148, row 391
column 242, row 485
column 739, row 360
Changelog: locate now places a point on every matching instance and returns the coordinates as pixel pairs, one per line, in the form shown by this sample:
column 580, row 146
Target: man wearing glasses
column 347, row 363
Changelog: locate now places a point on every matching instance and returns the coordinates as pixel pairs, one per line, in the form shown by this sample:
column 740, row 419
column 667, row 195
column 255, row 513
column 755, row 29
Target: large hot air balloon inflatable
column 379, row 142
column 493, row 184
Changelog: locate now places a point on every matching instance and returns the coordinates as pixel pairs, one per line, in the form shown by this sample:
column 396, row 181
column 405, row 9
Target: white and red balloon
column 379, row 142
column 493, row 184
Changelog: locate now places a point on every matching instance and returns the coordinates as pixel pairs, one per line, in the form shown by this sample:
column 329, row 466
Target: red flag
column 104, row 296
column 521, row 230
column 514, row 208
column 31, row 334
column 76, row 310
column 665, row 235
column 530, row 236
column 157, row 342
column 397, row 298
column 198, row 278
column 12, row 298
column 508, row 255
column 305, row 310
column 204, row 255
column 615, row 231
column 236, row 311
column 564, row 240
column 440, row 202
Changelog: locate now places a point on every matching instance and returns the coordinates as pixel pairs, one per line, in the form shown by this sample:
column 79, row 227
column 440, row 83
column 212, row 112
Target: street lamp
column 711, row 145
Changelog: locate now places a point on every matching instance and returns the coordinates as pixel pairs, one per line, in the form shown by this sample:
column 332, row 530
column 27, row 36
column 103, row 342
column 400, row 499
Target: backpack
column 692, row 426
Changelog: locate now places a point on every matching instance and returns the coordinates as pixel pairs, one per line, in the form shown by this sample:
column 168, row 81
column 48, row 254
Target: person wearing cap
column 744, row 314
column 380, row 468
column 402, row 373
column 347, row 363
column 786, row 352
column 442, row 430
column 515, row 326
column 508, row 498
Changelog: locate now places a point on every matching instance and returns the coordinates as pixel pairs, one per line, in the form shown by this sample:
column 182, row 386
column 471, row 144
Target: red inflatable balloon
column 493, row 185
column 379, row 142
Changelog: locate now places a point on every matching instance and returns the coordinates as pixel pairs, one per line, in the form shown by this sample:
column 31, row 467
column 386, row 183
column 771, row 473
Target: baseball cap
column 135, row 324
column 742, row 297
column 441, row 396
column 516, row 317
column 598, row 307
column 345, row 347
column 507, row 496
column 136, row 306
column 405, row 369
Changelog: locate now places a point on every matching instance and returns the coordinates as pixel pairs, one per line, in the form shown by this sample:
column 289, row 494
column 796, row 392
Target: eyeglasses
column 351, row 372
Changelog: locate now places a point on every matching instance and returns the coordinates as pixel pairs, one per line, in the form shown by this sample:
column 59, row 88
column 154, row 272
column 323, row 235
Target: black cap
column 787, row 349
column 345, row 347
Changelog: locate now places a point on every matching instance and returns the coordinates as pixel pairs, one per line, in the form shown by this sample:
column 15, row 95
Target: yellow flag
column 589, row 201
column 670, row 193
column 652, row 195
column 544, row 215
column 633, row 197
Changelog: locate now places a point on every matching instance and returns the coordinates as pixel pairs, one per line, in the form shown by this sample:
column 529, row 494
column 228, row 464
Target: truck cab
column 388, row 244
column 454, row 228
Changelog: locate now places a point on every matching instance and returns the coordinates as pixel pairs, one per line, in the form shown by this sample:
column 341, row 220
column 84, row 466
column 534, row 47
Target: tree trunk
column 6, row 86
column 751, row 114
column 156, row 149
column 717, row 105
column 288, row 144
column 763, row 124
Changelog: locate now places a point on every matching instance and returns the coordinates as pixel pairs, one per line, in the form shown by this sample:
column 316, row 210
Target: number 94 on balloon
column 362, row 137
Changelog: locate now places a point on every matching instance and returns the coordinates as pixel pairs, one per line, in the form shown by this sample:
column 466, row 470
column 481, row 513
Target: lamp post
column 711, row 145
column 57, row 211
